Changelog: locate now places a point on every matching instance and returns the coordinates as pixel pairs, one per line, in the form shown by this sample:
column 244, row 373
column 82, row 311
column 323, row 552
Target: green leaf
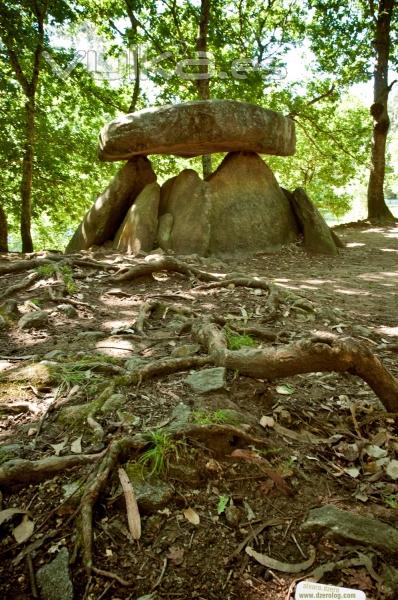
column 222, row 504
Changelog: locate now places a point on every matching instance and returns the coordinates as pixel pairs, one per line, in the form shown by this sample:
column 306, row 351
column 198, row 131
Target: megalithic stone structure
column 240, row 208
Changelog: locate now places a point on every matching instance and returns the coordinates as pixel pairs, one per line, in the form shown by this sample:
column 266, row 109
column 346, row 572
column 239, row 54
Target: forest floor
column 209, row 477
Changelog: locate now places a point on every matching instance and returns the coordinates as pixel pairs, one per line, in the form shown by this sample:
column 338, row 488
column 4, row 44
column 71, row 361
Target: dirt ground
column 218, row 498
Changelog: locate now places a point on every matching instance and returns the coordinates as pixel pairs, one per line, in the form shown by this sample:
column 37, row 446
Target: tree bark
column 378, row 211
column 203, row 83
column 3, row 230
column 27, row 176
column 29, row 87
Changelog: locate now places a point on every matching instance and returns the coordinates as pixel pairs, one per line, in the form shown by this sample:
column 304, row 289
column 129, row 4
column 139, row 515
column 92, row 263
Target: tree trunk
column 27, row 176
column 378, row 211
column 203, row 83
column 136, row 89
column 3, row 230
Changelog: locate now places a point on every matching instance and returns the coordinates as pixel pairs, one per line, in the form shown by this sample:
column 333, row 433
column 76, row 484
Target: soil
column 314, row 421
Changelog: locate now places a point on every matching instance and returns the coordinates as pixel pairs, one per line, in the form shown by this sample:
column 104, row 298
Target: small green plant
column 156, row 458
column 391, row 501
column 51, row 270
column 222, row 504
column 78, row 372
column 203, row 417
column 236, row 341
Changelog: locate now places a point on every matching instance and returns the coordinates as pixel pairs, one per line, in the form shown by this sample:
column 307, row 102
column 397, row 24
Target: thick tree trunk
column 378, row 211
column 27, row 176
column 203, row 83
column 3, row 230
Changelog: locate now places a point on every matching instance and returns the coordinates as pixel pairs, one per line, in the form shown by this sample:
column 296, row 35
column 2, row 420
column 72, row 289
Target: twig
column 114, row 576
column 162, row 572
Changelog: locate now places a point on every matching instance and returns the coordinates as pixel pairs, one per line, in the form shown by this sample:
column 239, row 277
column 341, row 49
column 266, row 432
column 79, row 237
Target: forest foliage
column 99, row 58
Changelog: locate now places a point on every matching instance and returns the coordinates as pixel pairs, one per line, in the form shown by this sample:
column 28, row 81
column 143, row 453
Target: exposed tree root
column 18, row 287
column 18, row 266
column 321, row 353
column 92, row 491
column 276, row 295
column 164, row 366
column 166, row 263
column 27, row 471
column 150, row 306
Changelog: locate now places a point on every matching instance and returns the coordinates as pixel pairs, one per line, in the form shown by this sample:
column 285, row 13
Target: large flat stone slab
column 197, row 128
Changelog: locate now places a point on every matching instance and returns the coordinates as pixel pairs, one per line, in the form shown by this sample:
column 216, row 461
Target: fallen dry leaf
column 267, row 421
column 133, row 514
column 192, row 516
column 76, row 446
column 279, row 565
column 24, row 530
column 176, row 555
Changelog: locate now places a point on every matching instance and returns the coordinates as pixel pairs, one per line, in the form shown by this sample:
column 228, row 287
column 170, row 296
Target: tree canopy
column 67, row 68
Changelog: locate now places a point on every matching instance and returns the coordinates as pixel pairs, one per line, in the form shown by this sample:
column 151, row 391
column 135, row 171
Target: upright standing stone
column 185, row 198
column 138, row 231
column 197, row 128
column 249, row 211
column 318, row 237
column 105, row 216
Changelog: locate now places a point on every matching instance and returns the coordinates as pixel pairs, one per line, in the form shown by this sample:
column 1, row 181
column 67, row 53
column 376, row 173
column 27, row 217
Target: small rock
column 187, row 350
column 91, row 335
column 9, row 308
column 53, row 354
column 350, row 527
column 68, row 310
column 390, row 577
column 33, row 320
column 54, row 580
column 207, row 380
column 184, row 473
column 233, row 515
column 114, row 402
column 360, row 330
column 135, row 362
column 151, row 495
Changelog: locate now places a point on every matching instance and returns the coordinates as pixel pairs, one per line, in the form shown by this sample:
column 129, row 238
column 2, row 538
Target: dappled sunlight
column 387, row 331
column 353, row 292
column 355, row 244
column 115, row 347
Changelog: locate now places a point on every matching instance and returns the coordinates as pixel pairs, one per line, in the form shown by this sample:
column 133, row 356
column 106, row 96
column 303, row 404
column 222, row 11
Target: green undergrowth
column 162, row 450
column 204, row 417
column 81, row 371
column 236, row 341
column 51, row 270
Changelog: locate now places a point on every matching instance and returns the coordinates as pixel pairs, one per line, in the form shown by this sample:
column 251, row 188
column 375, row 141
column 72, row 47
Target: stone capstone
column 197, row 128
column 138, row 231
column 103, row 219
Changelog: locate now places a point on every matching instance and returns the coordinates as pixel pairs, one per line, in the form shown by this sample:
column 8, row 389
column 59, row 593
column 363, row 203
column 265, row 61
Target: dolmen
column 239, row 208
